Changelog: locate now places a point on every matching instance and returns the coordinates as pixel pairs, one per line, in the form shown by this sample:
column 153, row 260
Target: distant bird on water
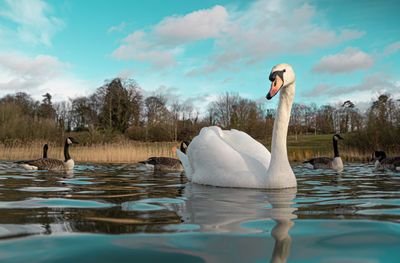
column 51, row 164
column 382, row 162
column 328, row 163
column 165, row 163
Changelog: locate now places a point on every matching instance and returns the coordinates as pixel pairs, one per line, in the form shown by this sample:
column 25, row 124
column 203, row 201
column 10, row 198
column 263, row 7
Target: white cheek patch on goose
column 69, row 141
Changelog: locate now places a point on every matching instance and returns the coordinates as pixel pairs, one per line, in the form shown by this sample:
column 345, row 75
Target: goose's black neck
column 66, row 151
column 44, row 152
column 382, row 156
column 335, row 148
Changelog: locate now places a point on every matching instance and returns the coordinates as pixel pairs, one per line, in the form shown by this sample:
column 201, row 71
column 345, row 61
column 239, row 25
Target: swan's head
column 337, row 137
column 282, row 75
column 71, row 140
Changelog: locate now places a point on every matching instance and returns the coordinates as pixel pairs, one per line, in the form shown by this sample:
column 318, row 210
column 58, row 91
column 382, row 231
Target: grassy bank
column 299, row 149
column 305, row 147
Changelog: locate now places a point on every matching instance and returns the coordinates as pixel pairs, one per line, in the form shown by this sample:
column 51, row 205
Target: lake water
column 123, row 213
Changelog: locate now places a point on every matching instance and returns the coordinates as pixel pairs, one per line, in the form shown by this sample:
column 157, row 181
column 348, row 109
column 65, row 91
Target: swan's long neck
column 335, row 148
column 280, row 174
column 66, row 151
column 279, row 136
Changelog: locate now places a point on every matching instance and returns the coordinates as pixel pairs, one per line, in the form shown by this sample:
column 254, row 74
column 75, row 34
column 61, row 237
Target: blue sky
column 196, row 50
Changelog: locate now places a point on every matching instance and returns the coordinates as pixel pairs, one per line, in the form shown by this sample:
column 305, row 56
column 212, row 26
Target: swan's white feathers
column 185, row 163
column 244, row 143
column 225, row 158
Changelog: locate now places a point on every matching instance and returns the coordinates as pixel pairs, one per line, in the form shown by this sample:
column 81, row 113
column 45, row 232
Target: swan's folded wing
column 215, row 162
column 244, row 143
column 185, row 163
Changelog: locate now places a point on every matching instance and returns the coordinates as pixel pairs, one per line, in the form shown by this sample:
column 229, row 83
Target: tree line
column 119, row 110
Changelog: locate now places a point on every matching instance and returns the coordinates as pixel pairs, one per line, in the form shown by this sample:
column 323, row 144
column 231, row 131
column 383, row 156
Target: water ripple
column 328, row 212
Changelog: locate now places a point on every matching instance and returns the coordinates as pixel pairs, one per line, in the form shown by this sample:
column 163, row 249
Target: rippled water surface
column 123, row 213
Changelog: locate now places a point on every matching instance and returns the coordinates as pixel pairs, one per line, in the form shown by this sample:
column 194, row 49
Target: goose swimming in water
column 51, row 164
column 45, row 148
column 231, row 158
column 328, row 163
column 165, row 163
column 383, row 163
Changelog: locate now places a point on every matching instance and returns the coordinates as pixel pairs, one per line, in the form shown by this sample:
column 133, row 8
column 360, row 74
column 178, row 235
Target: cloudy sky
column 198, row 49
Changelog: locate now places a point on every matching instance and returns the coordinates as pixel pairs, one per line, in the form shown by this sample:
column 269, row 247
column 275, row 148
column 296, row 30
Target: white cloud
column 319, row 89
column 119, row 28
column 263, row 30
column 374, row 83
column 34, row 24
column 349, row 60
column 202, row 24
column 159, row 46
column 127, row 73
column 391, row 49
column 37, row 76
column 135, row 47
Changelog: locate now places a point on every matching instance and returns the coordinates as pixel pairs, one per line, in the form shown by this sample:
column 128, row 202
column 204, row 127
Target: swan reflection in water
column 228, row 210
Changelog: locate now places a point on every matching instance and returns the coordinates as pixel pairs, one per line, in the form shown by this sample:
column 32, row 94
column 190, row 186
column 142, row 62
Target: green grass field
column 309, row 146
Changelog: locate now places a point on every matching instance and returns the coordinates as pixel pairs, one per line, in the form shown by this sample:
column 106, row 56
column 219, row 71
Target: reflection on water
column 227, row 210
column 168, row 218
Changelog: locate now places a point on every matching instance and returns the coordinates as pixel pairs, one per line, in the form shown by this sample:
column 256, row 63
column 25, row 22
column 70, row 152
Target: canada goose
column 325, row 162
column 383, row 163
column 165, row 163
column 51, row 164
column 45, row 148
column 231, row 158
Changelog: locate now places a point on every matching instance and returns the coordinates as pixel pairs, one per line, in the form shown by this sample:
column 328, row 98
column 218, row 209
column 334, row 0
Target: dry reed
column 126, row 152
column 134, row 151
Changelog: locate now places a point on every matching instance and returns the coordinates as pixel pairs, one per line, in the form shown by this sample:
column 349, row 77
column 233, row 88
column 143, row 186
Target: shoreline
column 134, row 152
column 104, row 153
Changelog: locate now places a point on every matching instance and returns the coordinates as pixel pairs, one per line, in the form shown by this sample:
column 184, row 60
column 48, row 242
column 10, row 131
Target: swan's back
column 244, row 143
column 226, row 158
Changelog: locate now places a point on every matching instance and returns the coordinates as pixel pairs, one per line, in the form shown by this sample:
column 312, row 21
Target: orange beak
column 275, row 87
column 174, row 149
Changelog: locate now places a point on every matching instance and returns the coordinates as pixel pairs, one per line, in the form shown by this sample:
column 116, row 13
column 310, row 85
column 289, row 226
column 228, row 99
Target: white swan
column 234, row 159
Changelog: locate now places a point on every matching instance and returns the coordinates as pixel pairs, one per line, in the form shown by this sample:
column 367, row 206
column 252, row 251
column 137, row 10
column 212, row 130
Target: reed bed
column 134, row 151
column 126, row 152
